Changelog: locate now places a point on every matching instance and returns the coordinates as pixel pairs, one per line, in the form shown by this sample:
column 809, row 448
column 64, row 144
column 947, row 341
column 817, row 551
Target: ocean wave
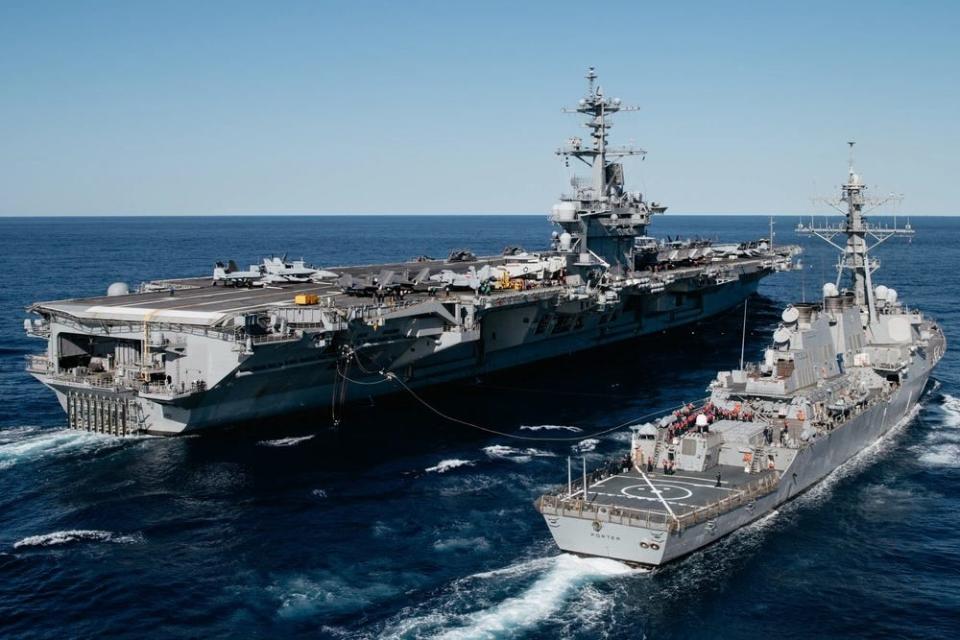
column 550, row 427
column 284, row 442
column 559, row 579
column 585, row 446
column 306, row 596
column 505, row 452
column 468, row 484
column 448, row 465
column 951, row 411
column 455, row 544
column 26, row 444
column 76, row 535
column 942, row 455
column 941, row 447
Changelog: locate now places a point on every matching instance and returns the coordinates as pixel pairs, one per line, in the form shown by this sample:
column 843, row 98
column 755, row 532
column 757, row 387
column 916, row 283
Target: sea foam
column 284, row 442
column 76, row 535
column 550, row 427
column 560, row 577
column 448, row 465
column 27, row 444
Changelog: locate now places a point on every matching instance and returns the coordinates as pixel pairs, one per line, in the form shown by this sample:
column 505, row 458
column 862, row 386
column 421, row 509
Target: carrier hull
column 290, row 376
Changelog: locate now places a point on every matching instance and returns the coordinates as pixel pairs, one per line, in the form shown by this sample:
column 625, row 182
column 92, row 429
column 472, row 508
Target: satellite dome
column 830, row 290
column 781, row 335
column 702, row 420
column 614, row 216
column 118, row 289
column 790, row 314
column 882, row 292
column 892, row 296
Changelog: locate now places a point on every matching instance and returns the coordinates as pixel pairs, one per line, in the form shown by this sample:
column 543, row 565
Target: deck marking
column 664, row 489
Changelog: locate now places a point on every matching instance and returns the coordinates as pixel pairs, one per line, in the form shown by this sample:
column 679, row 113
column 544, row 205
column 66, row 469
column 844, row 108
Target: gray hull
column 812, row 465
column 288, row 377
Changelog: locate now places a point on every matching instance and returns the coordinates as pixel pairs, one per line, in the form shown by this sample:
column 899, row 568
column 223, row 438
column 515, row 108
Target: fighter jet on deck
column 231, row 275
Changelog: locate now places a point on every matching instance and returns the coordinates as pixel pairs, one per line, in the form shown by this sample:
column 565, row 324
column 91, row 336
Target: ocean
column 402, row 525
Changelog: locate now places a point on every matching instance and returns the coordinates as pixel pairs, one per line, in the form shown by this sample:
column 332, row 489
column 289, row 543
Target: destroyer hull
column 636, row 544
column 291, row 376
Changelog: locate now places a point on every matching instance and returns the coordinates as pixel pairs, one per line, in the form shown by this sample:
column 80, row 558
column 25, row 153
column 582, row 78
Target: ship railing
column 758, row 488
column 569, row 507
column 497, row 299
column 98, row 381
column 586, row 510
column 39, row 364
column 275, row 337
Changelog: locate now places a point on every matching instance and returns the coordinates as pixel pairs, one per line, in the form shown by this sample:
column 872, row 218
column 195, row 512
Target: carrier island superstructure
column 282, row 336
column 837, row 376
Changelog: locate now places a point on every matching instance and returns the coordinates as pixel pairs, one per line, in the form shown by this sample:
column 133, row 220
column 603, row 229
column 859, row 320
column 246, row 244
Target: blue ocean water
column 401, row 525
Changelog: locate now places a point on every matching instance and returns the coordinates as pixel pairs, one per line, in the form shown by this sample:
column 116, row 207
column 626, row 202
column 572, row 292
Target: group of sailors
column 690, row 419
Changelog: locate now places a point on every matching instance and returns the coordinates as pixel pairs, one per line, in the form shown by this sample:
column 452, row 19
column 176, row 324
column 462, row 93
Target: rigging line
column 360, row 382
column 389, row 375
column 514, row 436
column 586, row 394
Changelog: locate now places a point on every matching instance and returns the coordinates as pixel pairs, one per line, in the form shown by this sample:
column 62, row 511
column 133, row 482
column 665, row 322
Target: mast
column 598, row 108
column 600, row 209
column 855, row 253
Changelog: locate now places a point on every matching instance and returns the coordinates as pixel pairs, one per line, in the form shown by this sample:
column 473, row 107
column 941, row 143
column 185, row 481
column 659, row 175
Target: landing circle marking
column 669, row 492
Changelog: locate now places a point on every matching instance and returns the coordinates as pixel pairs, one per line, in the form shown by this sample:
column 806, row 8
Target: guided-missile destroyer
column 283, row 336
column 837, row 376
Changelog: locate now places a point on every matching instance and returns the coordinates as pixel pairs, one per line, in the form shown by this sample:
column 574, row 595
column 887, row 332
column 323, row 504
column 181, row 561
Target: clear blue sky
column 434, row 107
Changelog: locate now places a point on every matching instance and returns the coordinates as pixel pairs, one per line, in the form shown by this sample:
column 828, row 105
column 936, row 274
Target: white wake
column 560, row 577
column 27, row 444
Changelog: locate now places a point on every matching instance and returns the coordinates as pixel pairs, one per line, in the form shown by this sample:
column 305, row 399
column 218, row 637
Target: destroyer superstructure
column 282, row 336
column 837, row 377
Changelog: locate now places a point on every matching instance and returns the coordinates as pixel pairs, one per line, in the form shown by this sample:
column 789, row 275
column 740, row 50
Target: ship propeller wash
column 283, row 336
column 836, row 377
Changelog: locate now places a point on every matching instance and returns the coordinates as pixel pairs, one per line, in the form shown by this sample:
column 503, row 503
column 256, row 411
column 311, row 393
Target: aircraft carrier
column 838, row 375
column 282, row 336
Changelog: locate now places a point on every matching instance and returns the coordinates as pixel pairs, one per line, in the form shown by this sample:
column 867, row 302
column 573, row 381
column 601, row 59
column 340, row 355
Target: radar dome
column 565, row 240
column 790, row 314
column 781, row 335
column 830, row 290
column 118, row 289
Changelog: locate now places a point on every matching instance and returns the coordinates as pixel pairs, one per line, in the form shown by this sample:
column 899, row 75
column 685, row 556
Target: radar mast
column 855, row 254
column 600, row 217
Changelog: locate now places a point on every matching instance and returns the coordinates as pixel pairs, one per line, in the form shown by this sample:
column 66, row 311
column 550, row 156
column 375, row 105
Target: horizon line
column 424, row 215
